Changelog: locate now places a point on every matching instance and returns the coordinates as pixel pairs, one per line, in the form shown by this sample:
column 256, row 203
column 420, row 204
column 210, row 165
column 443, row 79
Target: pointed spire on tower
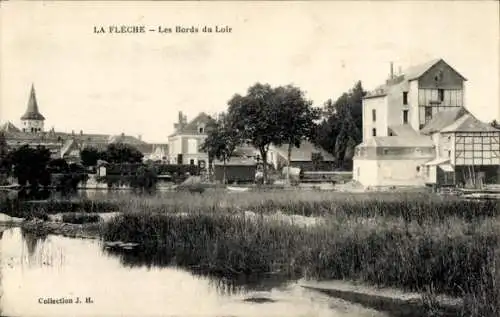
column 32, row 112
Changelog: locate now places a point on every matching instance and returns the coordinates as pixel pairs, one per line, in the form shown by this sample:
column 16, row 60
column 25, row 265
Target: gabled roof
column 447, row 118
column 9, row 127
column 192, row 127
column 401, row 81
column 404, row 130
column 304, row 152
column 469, row 123
column 32, row 112
column 417, row 71
column 67, row 147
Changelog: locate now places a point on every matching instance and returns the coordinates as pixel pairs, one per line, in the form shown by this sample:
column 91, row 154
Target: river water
column 39, row 270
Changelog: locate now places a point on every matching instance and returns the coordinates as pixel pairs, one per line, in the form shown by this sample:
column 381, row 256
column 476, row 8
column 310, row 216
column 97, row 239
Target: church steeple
column 32, row 120
column 32, row 112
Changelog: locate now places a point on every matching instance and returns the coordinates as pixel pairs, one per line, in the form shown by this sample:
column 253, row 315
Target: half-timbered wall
column 477, row 148
column 432, row 101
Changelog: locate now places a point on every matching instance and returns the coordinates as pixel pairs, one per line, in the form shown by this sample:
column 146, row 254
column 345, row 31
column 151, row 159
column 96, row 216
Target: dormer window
column 201, row 128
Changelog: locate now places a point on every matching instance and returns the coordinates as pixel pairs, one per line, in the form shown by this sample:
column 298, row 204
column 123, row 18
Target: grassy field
column 416, row 242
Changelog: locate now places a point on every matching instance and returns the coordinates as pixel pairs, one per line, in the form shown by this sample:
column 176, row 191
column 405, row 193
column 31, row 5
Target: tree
column 296, row 118
column 495, row 124
column 255, row 118
column 221, row 141
column 89, row 156
column 341, row 128
column 122, row 153
column 30, row 165
column 3, row 155
column 58, row 165
column 145, row 178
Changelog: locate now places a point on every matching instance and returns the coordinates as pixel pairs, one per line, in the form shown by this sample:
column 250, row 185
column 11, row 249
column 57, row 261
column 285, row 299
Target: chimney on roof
column 392, row 71
column 81, row 132
column 123, row 134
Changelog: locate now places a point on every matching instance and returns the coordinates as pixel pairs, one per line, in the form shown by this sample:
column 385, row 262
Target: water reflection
column 149, row 257
column 48, row 268
column 32, row 240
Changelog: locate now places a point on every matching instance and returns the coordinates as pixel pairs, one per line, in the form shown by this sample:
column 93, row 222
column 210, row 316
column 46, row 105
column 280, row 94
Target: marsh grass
column 413, row 242
column 80, row 218
column 408, row 206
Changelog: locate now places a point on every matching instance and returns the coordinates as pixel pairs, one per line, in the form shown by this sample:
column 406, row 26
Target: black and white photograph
column 250, row 158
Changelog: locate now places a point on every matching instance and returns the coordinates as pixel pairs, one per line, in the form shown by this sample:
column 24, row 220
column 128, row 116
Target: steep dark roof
column 32, row 112
column 192, row 126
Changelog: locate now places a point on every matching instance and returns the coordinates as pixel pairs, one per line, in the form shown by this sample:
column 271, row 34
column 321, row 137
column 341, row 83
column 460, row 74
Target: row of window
column 428, row 96
column 405, row 116
column 449, row 97
column 32, row 130
column 426, row 93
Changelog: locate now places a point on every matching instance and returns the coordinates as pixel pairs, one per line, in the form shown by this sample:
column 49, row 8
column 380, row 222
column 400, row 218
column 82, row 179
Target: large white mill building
column 417, row 132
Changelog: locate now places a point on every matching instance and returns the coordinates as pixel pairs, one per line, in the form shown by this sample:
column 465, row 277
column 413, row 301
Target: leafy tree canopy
column 341, row 127
column 122, row 153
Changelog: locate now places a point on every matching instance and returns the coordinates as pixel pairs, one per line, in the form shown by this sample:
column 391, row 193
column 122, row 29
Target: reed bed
column 409, row 206
column 413, row 242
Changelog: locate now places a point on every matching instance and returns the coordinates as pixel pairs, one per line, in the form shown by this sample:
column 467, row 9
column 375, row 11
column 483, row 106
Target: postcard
column 249, row 158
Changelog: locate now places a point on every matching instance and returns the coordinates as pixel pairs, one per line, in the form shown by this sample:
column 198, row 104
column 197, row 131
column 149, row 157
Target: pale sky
column 137, row 83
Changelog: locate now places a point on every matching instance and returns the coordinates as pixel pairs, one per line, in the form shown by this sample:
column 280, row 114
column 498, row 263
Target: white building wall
column 365, row 172
column 192, row 146
column 402, row 172
column 398, row 172
column 413, row 114
column 28, row 124
column 381, row 125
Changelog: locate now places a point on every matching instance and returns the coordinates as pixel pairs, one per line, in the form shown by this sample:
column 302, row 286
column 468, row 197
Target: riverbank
column 413, row 242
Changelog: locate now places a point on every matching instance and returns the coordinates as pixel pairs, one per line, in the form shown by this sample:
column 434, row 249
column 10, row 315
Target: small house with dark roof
column 184, row 144
column 307, row 157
